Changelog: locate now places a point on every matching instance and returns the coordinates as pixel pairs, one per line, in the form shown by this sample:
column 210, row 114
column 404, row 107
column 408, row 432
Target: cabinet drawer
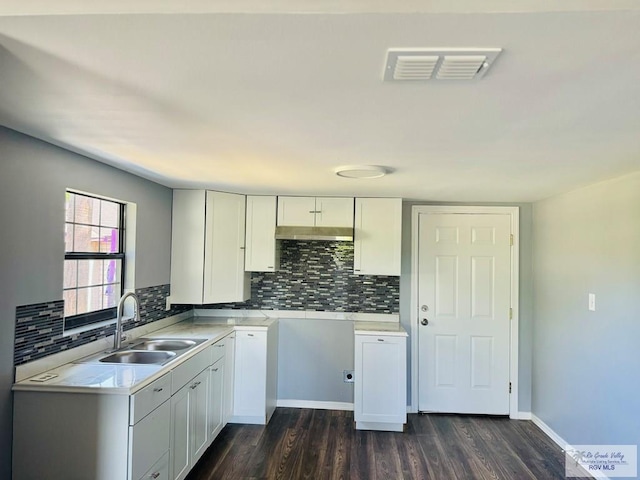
column 147, row 399
column 149, row 440
column 217, row 350
column 160, row 471
column 189, row 369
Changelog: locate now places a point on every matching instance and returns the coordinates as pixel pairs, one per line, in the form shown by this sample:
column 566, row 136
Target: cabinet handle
column 270, row 267
column 214, row 369
column 154, row 475
column 381, row 339
column 158, row 389
column 249, row 334
column 241, row 248
column 219, row 346
column 356, row 269
column 195, row 385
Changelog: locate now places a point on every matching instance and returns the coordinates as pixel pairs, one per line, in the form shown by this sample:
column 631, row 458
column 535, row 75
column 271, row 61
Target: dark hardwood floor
column 323, row 444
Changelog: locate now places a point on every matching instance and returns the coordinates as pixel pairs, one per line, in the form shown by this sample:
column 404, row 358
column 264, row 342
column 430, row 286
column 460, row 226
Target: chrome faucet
column 119, row 336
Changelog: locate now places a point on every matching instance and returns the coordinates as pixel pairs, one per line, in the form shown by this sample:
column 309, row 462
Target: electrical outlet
column 347, row 376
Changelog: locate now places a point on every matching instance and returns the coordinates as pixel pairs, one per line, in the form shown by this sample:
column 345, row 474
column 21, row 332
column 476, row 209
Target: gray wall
column 311, row 357
column 586, row 364
column 525, row 293
column 33, row 178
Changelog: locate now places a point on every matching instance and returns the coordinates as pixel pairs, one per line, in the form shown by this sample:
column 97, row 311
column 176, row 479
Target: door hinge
column 509, row 387
column 510, row 313
column 511, row 239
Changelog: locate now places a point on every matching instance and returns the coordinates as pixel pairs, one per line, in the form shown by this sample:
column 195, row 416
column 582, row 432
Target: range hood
column 344, row 234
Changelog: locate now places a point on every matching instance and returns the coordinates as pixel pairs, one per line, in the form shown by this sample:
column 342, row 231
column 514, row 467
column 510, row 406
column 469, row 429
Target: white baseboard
column 561, row 442
column 316, row 405
column 549, row 432
column 522, row 416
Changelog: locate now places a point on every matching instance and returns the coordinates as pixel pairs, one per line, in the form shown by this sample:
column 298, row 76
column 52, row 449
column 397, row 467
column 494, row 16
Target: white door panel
column 464, row 282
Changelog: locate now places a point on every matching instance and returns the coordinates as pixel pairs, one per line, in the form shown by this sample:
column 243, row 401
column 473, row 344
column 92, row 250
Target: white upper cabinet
column 315, row 212
column 377, row 236
column 261, row 254
column 207, row 249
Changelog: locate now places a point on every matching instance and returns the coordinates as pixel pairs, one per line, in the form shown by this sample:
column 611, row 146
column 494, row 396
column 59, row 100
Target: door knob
column 424, row 321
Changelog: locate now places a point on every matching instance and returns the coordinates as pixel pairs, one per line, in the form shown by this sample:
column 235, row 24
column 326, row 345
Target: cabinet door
column 334, row 212
column 224, row 277
column 250, row 374
column 216, row 398
column 180, row 433
column 380, row 379
column 199, row 393
column 229, row 369
column 260, row 253
column 377, row 236
column 149, row 439
column 187, row 246
column 296, row 211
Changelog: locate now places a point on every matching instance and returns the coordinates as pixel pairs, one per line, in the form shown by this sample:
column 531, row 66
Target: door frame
column 514, row 213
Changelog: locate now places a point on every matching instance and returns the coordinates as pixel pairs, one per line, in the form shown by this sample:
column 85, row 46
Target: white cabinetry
column 256, row 370
column 215, row 417
column 69, row 436
column 216, row 398
column 207, row 250
column 380, row 399
column 261, row 254
column 315, row 212
column 189, row 439
column 189, row 425
column 377, row 236
column 229, row 371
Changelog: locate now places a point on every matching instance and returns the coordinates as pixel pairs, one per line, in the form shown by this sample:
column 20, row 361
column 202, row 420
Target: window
column 94, row 259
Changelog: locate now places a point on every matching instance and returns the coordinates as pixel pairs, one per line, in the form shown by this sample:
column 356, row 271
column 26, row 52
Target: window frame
column 96, row 316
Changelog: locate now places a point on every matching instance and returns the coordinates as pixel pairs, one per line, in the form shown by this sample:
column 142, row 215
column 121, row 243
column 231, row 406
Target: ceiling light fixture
column 361, row 171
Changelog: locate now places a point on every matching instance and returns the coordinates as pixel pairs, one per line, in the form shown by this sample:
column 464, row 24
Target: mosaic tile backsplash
column 39, row 327
column 318, row 275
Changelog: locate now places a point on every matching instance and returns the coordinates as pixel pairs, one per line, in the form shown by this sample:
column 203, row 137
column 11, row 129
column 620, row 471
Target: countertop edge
column 193, row 327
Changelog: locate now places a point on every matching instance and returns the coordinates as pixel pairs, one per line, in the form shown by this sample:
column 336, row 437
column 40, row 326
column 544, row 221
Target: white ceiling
column 246, row 96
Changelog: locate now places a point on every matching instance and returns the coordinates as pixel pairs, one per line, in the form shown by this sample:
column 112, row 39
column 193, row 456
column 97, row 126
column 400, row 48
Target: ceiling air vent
column 438, row 63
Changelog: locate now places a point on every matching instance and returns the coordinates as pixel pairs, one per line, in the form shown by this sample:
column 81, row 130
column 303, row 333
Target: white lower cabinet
column 144, row 448
column 189, row 425
column 380, row 399
column 256, row 375
column 157, row 433
column 75, row 436
column 216, row 399
column 229, row 371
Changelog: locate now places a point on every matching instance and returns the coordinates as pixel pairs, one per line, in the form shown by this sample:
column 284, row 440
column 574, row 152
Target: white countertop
column 379, row 328
column 127, row 379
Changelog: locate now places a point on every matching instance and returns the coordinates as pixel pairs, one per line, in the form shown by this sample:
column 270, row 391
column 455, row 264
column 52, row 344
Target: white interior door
column 464, row 277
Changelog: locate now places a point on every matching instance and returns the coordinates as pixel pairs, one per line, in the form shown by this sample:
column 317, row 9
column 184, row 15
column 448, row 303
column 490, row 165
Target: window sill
column 85, row 328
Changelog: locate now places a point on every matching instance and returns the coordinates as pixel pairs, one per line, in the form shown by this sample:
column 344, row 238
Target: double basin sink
column 147, row 351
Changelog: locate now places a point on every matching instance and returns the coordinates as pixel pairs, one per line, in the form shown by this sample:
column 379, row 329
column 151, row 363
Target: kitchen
column 35, row 175
column 309, row 332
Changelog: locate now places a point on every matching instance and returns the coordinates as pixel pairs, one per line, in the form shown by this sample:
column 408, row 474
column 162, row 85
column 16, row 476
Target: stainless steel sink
column 164, row 344
column 138, row 357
